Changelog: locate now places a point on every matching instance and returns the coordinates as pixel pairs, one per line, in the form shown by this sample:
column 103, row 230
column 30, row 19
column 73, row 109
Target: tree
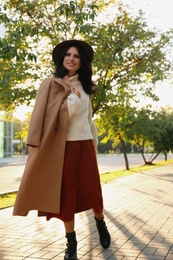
column 126, row 51
column 153, row 130
column 163, row 141
column 33, row 28
column 150, row 131
column 142, row 132
column 114, row 122
column 20, row 131
column 129, row 60
column 128, row 57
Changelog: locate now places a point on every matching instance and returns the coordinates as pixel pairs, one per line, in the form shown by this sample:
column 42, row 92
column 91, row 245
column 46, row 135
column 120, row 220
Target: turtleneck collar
column 74, row 78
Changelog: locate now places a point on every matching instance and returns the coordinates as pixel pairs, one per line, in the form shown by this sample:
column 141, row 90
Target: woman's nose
column 71, row 57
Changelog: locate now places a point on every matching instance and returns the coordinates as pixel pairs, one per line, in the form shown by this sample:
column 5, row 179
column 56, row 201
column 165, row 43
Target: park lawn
column 110, row 176
column 7, row 200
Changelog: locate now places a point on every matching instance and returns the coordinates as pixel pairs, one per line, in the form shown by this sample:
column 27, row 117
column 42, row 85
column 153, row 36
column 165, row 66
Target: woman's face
column 72, row 61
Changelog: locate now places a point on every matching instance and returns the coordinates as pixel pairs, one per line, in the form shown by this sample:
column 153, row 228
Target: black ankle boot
column 70, row 252
column 105, row 238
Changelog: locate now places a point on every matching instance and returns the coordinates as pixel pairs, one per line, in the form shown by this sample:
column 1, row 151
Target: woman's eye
column 75, row 56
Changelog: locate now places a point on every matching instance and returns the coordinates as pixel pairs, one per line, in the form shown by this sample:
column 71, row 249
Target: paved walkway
column 138, row 212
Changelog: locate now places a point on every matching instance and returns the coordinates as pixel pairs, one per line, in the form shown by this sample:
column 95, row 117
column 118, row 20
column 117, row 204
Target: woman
column 61, row 176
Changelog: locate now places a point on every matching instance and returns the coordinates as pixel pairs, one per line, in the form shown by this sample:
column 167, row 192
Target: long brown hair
column 84, row 72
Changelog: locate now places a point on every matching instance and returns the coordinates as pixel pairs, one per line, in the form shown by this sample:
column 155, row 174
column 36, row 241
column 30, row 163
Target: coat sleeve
column 37, row 118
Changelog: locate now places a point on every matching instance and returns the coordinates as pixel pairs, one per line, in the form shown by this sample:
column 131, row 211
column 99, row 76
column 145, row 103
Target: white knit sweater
column 80, row 124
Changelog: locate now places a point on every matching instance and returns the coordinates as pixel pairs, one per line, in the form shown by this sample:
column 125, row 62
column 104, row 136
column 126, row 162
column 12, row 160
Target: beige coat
column 40, row 186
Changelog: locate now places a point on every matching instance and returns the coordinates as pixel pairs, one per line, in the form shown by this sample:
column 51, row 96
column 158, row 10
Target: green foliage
column 154, row 130
column 127, row 53
column 141, row 131
column 20, row 132
column 7, row 200
column 33, row 28
column 163, row 125
column 150, row 131
column 129, row 58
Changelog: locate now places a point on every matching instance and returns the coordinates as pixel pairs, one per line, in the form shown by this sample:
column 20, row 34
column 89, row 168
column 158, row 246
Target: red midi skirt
column 81, row 188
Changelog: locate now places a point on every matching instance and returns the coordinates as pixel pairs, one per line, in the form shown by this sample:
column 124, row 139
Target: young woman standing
column 62, row 166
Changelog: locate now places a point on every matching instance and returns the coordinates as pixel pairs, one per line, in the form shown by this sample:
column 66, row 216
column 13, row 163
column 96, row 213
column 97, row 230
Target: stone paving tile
column 138, row 213
column 150, row 257
column 169, row 257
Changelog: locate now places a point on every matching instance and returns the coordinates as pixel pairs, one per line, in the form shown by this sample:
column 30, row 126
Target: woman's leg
column 98, row 216
column 70, row 252
column 69, row 226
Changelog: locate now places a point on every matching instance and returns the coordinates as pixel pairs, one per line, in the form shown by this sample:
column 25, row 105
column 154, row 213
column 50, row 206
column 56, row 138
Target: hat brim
column 85, row 46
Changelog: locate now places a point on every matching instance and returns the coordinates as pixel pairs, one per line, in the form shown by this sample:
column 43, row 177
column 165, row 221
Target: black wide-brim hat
column 61, row 46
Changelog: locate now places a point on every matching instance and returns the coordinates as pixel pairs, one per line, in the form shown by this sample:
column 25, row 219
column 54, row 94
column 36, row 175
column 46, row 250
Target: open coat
column 40, row 187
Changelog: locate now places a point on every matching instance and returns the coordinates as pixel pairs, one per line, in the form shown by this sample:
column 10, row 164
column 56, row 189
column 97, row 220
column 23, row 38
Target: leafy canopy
column 33, row 28
column 129, row 57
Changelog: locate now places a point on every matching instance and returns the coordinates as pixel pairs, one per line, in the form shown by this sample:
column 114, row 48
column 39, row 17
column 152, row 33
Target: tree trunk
column 141, row 149
column 125, row 154
column 155, row 157
column 166, row 155
column 142, row 153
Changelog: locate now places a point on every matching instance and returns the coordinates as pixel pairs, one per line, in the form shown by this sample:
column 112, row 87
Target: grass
column 7, row 200
column 109, row 176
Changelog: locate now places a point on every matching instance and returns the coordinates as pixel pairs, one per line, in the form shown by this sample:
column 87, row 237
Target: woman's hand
column 76, row 92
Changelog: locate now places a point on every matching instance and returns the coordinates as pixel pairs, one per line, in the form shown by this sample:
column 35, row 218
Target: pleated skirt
column 81, row 188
